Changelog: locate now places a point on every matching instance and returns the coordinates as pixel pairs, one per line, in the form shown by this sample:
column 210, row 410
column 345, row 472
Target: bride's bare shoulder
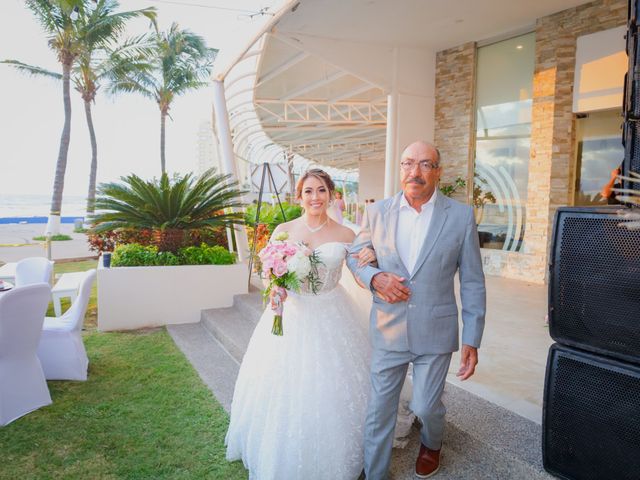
column 285, row 226
column 345, row 234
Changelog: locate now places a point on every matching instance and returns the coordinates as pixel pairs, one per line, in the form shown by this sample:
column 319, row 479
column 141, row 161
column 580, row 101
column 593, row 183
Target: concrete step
column 250, row 305
column 213, row 363
column 482, row 440
column 233, row 326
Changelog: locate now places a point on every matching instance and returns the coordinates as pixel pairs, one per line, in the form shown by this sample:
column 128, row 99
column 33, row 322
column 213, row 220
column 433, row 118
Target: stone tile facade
column 553, row 123
column 552, row 130
column 454, row 125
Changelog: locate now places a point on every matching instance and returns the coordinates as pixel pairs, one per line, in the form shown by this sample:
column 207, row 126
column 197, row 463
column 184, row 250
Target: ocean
column 35, row 208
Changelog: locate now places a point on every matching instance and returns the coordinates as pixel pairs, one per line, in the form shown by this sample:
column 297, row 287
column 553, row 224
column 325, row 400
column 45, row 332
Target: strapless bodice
column 332, row 256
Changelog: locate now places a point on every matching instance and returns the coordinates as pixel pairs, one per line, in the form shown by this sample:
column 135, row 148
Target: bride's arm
column 362, row 274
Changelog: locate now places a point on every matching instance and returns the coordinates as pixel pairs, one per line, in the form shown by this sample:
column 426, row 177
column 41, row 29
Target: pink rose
column 279, row 269
column 290, row 250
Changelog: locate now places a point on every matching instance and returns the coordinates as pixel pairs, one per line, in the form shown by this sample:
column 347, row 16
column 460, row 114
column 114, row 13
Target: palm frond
column 33, row 69
column 184, row 202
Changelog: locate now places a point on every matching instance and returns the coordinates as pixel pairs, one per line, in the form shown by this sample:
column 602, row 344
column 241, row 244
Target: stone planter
column 139, row 297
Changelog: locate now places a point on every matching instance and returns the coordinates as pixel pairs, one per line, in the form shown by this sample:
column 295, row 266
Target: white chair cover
column 33, row 270
column 22, row 384
column 61, row 350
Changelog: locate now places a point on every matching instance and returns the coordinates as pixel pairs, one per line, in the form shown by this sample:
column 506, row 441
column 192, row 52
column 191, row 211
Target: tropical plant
column 448, row 189
column 168, row 207
column 271, row 215
column 631, row 196
column 180, row 61
column 481, row 197
column 71, row 27
column 106, row 241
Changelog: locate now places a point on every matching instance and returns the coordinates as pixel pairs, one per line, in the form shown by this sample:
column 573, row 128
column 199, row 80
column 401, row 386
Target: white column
column 228, row 158
column 391, row 163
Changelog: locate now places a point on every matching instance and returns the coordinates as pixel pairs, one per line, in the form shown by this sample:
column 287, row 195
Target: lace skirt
column 300, row 400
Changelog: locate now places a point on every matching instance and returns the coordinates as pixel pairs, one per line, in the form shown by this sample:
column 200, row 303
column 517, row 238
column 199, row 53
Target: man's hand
column 468, row 362
column 390, row 287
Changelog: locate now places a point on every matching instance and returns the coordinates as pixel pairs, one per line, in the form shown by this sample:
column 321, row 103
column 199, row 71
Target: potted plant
column 161, row 277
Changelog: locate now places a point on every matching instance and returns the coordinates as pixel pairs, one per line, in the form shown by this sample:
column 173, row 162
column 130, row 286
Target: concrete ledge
column 140, row 297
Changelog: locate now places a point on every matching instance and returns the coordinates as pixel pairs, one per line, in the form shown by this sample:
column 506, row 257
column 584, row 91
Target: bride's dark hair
column 320, row 175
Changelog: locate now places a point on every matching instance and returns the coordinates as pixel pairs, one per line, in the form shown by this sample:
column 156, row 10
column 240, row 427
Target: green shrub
column 206, row 255
column 271, row 215
column 166, row 259
column 59, row 237
column 135, row 255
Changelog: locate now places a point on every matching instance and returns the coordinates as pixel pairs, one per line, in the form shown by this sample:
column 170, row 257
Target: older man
column 421, row 239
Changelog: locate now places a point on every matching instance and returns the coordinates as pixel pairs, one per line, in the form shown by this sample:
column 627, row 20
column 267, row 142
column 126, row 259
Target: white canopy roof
column 315, row 84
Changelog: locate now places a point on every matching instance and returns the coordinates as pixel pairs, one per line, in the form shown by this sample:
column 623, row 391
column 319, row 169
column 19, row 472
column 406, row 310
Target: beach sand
column 22, row 234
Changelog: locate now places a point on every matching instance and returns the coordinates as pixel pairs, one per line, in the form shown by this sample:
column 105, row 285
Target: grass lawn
column 59, row 237
column 143, row 414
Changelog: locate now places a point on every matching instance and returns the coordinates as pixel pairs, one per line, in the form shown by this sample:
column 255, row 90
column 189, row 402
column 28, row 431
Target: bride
column 299, row 403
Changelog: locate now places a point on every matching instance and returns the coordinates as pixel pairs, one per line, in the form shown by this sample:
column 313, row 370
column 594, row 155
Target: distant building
column 208, row 148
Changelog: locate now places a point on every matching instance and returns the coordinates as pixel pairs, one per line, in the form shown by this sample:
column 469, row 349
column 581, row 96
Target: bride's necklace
column 314, row 229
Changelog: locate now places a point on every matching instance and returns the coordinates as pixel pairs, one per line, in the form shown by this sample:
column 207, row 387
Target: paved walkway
column 22, row 234
column 513, row 356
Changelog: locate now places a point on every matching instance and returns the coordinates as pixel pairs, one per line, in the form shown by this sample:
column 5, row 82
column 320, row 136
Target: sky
column 127, row 126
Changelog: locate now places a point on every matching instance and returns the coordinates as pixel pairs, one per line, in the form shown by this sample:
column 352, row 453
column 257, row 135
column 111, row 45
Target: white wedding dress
column 300, row 400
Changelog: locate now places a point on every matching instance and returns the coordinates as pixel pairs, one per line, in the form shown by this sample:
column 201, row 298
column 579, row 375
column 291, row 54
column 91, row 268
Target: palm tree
column 168, row 207
column 105, row 27
column 180, row 62
column 94, row 29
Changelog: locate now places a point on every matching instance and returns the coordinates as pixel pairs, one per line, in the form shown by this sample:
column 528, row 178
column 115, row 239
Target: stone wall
column 552, row 131
column 455, row 87
column 553, row 123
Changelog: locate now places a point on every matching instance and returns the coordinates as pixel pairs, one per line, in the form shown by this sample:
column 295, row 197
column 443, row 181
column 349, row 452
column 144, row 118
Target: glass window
column 599, row 154
column 503, row 138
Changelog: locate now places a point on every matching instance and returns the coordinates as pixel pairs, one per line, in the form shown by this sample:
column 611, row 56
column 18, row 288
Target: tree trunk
column 163, row 163
column 91, row 195
column 61, row 165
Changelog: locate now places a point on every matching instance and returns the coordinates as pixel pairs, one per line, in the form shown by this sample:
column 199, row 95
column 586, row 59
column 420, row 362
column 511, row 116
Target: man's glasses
column 424, row 165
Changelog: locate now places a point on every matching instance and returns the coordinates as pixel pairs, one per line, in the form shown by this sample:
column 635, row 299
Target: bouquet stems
column 277, row 325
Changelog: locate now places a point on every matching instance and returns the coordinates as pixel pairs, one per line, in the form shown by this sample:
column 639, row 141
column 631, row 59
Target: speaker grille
column 591, row 417
column 595, row 284
column 634, row 131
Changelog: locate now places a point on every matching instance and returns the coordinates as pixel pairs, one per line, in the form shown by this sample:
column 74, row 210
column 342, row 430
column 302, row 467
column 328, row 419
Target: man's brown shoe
column 428, row 462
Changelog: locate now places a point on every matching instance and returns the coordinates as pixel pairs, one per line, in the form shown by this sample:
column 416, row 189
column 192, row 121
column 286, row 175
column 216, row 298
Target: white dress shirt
column 413, row 227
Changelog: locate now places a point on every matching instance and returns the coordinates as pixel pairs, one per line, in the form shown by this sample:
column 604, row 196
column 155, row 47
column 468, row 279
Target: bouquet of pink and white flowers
column 287, row 265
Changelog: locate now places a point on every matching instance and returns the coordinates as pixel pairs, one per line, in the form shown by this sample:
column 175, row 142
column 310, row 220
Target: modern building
column 208, row 149
column 522, row 98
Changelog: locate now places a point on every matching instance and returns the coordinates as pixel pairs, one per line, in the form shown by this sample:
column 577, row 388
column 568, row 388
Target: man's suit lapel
column 437, row 222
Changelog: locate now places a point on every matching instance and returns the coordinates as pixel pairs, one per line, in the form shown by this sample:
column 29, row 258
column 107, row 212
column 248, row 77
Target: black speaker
column 631, row 101
column 591, row 417
column 594, row 283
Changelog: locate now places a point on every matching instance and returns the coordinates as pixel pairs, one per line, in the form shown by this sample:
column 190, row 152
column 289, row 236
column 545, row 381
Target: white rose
column 292, row 263
column 300, row 264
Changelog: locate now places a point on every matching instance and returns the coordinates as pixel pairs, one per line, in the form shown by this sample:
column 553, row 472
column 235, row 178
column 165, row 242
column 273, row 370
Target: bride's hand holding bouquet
column 286, row 266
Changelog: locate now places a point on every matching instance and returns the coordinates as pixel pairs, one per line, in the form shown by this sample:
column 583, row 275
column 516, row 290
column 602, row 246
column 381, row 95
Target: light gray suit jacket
column 428, row 322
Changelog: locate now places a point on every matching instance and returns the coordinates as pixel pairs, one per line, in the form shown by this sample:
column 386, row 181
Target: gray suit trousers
column 388, row 371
